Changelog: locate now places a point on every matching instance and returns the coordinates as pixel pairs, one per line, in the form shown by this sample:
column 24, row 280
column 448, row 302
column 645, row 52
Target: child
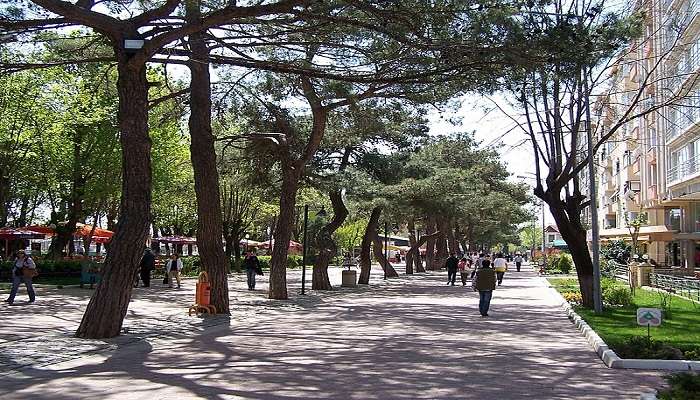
column 464, row 267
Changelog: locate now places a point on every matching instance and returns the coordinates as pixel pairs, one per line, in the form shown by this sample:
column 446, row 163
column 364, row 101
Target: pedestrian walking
column 23, row 270
column 518, row 262
column 252, row 267
column 148, row 264
column 464, row 269
column 501, row 266
column 485, row 283
column 451, row 265
column 173, row 269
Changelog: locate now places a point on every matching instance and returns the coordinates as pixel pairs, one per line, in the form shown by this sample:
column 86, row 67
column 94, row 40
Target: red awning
column 175, row 240
column 19, row 233
column 82, row 230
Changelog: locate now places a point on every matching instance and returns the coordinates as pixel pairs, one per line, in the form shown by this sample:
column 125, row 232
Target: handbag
column 29, row 272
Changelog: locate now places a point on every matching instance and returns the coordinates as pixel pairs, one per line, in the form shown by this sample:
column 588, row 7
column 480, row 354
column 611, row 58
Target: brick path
column 407, row 338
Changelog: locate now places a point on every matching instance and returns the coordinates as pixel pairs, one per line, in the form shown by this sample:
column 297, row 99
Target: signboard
column 649, row 316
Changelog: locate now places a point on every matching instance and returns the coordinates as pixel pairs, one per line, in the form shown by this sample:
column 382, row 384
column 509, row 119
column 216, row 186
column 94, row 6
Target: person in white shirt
column 518, row 262
column 501, row 266
column 174, row 267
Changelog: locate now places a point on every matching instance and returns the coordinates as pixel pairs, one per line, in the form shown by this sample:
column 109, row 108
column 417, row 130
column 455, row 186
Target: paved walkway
column 407, row 338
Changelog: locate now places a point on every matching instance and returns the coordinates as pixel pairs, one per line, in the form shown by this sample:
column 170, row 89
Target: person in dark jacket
column 252, row 266
column 485, row 283
column 148, row 264
column 451, row 264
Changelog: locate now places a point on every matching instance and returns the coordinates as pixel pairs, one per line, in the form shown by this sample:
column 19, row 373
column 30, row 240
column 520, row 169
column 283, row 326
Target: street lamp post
column 593, row 206
column 386, row 246
column 303, row 252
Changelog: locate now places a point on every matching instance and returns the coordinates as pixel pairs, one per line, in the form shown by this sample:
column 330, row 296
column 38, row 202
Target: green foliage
column 647, row 348
column 617, row 296
column 682, row 386
column 565, row 263
column 616, row 250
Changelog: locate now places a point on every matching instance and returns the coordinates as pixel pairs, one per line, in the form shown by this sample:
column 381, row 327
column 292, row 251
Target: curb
column 609, row 357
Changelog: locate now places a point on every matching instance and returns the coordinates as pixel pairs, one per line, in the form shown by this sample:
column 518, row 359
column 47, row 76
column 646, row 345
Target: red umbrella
column 9, row 234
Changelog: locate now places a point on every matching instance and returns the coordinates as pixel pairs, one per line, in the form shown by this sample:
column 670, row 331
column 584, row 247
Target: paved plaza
column 407, row 338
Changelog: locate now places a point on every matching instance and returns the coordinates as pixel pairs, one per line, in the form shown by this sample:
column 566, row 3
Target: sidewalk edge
column 606, row 354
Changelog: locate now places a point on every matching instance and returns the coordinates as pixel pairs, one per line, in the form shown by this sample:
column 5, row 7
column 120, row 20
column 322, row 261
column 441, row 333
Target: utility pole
column 593, row 204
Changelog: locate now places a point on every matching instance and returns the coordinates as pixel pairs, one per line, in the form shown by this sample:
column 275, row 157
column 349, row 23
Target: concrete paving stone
column 406, row 338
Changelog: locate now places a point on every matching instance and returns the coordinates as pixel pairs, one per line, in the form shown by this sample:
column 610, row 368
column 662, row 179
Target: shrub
column 573, row 297
column 617, row 250
column 617, row 296
column 565, row 263
column 646, row 348
column 692, row 354
column 682, row 386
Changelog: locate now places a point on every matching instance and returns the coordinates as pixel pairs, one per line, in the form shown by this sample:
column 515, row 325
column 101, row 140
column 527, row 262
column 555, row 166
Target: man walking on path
column 252, row 267
column 518, row 262
column 451, row 264
column 23, row 270
column 148, row 264
column 485, row 283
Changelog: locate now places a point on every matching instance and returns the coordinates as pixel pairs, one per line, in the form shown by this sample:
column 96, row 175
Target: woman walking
column 23, row 270
column 174, row 267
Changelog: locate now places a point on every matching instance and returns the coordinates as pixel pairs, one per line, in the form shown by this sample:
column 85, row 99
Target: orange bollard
column 202, row 296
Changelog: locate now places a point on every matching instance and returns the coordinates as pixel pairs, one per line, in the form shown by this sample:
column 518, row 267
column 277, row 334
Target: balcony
column 683, row 171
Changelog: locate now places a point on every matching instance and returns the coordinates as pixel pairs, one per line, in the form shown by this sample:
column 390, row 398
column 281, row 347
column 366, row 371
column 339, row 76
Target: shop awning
column 652, row 233
column 175, row 240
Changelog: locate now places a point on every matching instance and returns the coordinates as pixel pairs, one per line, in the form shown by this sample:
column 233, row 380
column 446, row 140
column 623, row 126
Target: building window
column 696, row 217
column 550, row 238
column 673, row 218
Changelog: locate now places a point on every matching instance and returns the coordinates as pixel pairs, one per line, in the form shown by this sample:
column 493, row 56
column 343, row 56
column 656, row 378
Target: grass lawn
column 680, row 327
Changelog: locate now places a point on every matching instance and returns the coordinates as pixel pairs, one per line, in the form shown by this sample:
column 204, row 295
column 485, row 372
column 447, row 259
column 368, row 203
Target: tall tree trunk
column 412, row 243
column 414, row 252
column 441, row 243
column 206, row 177
column 325, row 243
column 574, row 234
column 107, row 308
column 451, row 239
column 389, row 271
column 278, row 264
column 365, row 247
column 430, row 244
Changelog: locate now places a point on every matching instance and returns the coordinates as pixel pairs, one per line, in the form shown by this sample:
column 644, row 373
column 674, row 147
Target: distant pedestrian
column 173, row 269
column 451, row 264
column 23, row 270
column 148, row 264
column 485, row 283
column 464, row 271
column 252, row 266
column 501, row 266
column 518, row 262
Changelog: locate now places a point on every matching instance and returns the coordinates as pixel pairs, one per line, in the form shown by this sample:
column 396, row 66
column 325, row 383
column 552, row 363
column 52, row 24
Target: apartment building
column 652, row 165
